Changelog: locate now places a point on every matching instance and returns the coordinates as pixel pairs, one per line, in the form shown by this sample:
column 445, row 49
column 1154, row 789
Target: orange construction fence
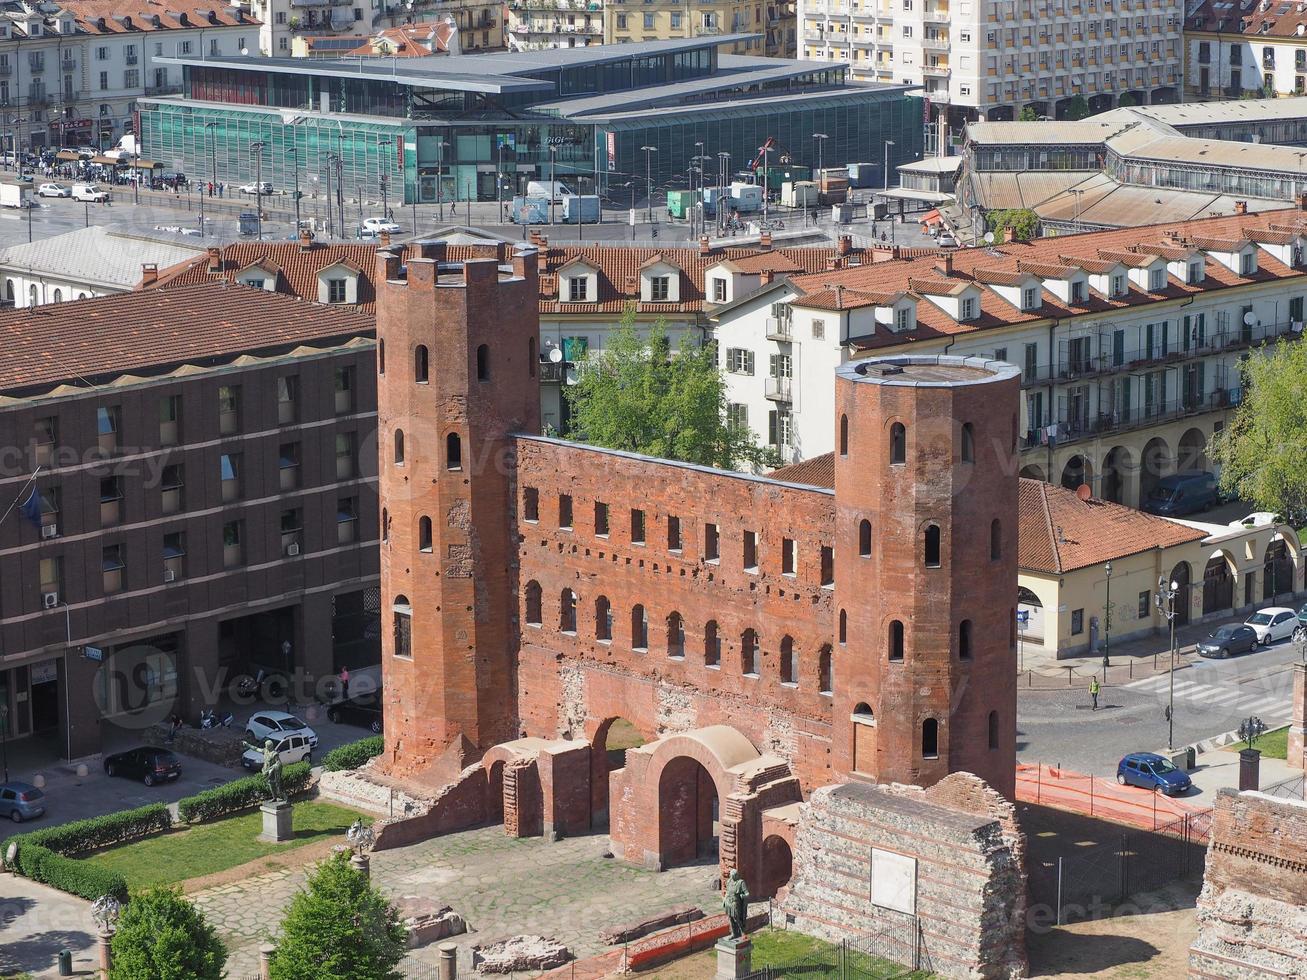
column 1094, row 796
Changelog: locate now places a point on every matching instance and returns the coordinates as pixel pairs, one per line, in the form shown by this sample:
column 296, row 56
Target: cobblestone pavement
column 501, row 885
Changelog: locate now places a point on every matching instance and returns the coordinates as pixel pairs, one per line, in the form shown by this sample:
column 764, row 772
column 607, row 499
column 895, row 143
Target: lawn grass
column 814, row 958
column 1273, row 745
column 205, row 849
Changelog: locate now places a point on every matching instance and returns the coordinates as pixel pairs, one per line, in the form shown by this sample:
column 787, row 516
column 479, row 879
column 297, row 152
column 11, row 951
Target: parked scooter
column 209, row 720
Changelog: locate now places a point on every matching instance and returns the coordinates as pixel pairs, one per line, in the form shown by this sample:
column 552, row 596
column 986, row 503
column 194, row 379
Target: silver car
column 21, row 801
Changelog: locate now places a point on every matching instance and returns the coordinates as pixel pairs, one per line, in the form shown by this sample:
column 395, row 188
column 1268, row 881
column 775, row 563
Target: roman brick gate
column 662, row 803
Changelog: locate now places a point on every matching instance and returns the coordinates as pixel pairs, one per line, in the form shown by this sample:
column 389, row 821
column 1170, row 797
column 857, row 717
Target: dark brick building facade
column 205, row 475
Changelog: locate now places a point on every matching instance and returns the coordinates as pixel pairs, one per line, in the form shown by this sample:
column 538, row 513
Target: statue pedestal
column 276, row 821
column 733, row 958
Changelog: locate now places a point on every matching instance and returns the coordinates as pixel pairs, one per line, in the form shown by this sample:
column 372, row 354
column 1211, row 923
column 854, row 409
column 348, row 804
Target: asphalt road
column 1211, row 697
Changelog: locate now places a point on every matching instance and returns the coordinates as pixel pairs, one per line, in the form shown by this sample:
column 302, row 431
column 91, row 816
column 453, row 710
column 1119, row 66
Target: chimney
column 705, row 248
column 215, row 258
column 306, row 239
column 1240, row 207
column 149, row 273
column 832, row 263
column 944, row 264
column 542, row 255
column 765, row 277
column 839, row 296
column 764, row 241
column 843, row 244
column 384, row 237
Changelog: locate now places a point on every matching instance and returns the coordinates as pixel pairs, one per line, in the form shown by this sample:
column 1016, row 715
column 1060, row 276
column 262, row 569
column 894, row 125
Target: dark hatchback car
column 1228, row 640
column 148, row 764
column 1151, row 771
column 362, row 709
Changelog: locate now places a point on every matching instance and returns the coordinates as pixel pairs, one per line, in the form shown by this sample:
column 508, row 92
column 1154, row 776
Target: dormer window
column 578, row 289
column 1195, row 272
column 1029, row 298
column 1077, row 291
column 1248, row 263
column 1156, row 279
column 968, row 308
column 659, row 288
column 903, row 318
column 1118, row 285
column 718, row 290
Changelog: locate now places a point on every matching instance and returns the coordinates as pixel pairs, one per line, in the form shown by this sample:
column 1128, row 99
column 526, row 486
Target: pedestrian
column 1093, row 692
column 344, row 683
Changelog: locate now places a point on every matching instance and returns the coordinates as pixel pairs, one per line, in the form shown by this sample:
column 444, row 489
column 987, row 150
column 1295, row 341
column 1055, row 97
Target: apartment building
column 1232, row 51
column 534, row 25
column 993, row 60
column 1129, row 341
column 773, row 21
column 70, row 74
column 480, row 23
column 195, row 473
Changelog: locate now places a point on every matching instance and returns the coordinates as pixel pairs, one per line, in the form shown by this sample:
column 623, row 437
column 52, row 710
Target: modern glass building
column 480, row 126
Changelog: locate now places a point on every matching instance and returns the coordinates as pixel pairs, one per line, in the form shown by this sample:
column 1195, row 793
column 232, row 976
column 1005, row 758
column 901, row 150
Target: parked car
column 1183, row 493
column 377, row 225
column 274, row 724
column 946, row 240
column 1227, row 640
column 362, row 709
column 147, row 763
column 21, row 801
column 1273, row 624
column 53, row 190
column 253, row 187
column 293, row 747
column 1151, row 771
column 1300, row 630
column 89, row 192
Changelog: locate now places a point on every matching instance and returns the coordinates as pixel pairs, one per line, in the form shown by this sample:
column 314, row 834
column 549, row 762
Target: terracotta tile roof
column 844, row 299
column 937, row 287
column 1279, row 20
column 118, row 17
column 1173, row 253
column 1093, row 266
column 1059, row 532
column 1135, row 259
column 1270, row 236
column 1047, row 270
column 777, row 262
column 1221, row 244
column 159, row 329
column 408, row 41
column 816, row 472
column 998, row 277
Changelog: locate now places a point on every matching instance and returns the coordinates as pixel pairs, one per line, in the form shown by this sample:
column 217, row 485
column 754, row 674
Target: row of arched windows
column 674, row 637
column 930, row 542
column 862, row 714
column 422, row 363
column 898, row 442
column 895, row 645
column 453, row 450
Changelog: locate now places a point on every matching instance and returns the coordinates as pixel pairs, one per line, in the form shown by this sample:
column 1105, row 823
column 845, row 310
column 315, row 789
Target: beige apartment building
column 773, row 20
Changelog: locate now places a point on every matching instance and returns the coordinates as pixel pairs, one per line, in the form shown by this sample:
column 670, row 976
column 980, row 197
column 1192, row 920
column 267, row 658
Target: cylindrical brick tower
column 926, row 569
column 457, row 378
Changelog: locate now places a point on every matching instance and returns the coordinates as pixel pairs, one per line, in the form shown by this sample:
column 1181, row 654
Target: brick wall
column 1252, row 912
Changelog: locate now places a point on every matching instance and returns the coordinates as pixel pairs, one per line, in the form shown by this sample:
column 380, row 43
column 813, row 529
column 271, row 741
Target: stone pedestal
column 734, row 958
column 447, row 965
column 362, row 864
column 1250, row 763
column 265, row 959
column 102, row 945
column 276, row 821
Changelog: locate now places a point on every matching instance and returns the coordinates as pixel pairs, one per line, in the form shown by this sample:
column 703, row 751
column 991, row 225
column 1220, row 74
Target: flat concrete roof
column 927, row 371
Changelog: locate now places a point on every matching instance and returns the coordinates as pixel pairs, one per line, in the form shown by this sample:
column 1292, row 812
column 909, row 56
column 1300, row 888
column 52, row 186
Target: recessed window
column 993, row 729
column 639, row 628
column 1029, row 298
column 578, row 289
column 844, row 435
column 898, row 443
column 453, row 452
column 533, row 616
column 424, row 535
column 827, row 565
column 750, row 552
column 567, row 611
column 711, row 543
column 530, row 504
column 637, row 526
column 601, row 519
column 968, row 308
column 712, row 645
column 1077, row 622
column 930, row 739
column 749, row 653
column 483, row 363
column 565, row 511
column 789, row 556
column 1156, row 279
column 995, row 540
column 864, row 539
column 930, row 546
column 844, row 627
column 420, row 365
column 399, row 447
column 964, row 639
column 825, row 670
column 603, row 619
column 968, row 443
column 789, row 665
column 894, row 641
column 675, row 637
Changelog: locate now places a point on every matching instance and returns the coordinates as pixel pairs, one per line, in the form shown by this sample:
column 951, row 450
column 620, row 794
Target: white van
column 553, row 190
column 89, row 192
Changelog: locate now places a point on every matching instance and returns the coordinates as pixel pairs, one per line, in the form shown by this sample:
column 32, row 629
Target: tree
column 640, row 396
column 1028, row 114
column 161, row 936
column 1263, row 451
column 339, row 928
column 1016, row 224
column 1077, row 108
column 1126, row 100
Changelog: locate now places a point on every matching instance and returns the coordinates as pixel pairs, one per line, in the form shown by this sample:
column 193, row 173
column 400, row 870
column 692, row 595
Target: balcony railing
column 553, row 373
column 778, row 329
column 778, row 390
column 1072, row 428
column 174, row 89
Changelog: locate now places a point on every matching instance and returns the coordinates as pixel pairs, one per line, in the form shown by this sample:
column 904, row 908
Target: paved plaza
column 501, row 885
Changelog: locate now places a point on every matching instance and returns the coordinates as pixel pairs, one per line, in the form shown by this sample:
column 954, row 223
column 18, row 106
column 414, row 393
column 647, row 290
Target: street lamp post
column 820, row 140
column 649, row 151
column 331, row 220
column 257, row 149
column 295, row 163
column 888, row 144
column 1107, row 621
column 553, row 187
column 1165, row 599
column 723, row 182
column 385, row 182
column 766, row 181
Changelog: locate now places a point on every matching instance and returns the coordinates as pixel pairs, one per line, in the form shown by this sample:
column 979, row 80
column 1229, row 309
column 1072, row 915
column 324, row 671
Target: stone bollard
column 103, row 946
column 265, row 959
column 1250, row 761
column 447, row 966
column 361, row 863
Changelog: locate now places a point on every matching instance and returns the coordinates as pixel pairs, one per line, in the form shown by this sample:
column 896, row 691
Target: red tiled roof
column 1271, row 236
column 1279, row 20
column 118, row 17
column 409, row 41
column 1221, row 244
column 816, row 472
column 776, row 262
column 844, row 299
column 1094, row 266
column 1047, row 270
column 159, row 329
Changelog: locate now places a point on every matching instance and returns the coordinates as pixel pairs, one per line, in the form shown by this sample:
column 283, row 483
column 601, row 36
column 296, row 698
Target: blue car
column 1151, row 771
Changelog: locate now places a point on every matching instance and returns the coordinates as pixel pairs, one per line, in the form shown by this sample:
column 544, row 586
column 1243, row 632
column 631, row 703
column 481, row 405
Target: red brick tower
column 926, row 569
column 457, row 377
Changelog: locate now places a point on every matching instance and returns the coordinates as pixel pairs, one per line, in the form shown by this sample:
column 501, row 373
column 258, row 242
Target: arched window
column 603, row 619
column 898, row 443
column 453, row 452
column 676, row 636
column 403, row 626
column 385, row 523
column 825, row 677
column 964, row 639
column 864, row 539
column 567, row 611
column 420, row 364
column 399, row 447
column 968, row 443
column 424, row 534
column 930, row 739
column 993, row 729
column 9, row 290
column 31, row 295
column 930, row 549
column 844, row 627
column 533, row 617
column 483, row 363
column 712, row 645
column 844, row 435
column 531, row 357
column 862, row 712
column 639, row 628
column 789, row 670
column 381, row 357
column 995, row 539
column 749, row 653
column 58, row 295
column 895, row 641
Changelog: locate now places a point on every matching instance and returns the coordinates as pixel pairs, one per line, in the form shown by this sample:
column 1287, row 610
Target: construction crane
column 763, row 150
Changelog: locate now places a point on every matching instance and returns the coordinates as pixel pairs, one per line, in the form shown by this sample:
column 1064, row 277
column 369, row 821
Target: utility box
column 746, row 198
column 863, row 175
column 249, row 223
column 680, row 204
column 712, row 196
column 581, row 208
column 842, row 214
column 799, row 194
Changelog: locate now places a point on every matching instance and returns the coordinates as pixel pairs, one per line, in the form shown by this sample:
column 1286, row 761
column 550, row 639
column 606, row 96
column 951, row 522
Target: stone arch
column 514, row 762
column 1218, row 583
column 688, row 808
column 612, row 738
column 1277, row 569
column 1154, row 464
column 1192, row 451
column 1117, row 475
column 1033, row 471
column 777, row 865
column 1077, row 471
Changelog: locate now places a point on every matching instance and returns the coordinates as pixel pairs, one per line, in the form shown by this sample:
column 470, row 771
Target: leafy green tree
column 1014, row 224
column 640, row 396
column 161, row 936
column 1028, row 115
column 339, row 928
column 1126, row 100
column 1078, row 108
column 1263, row 451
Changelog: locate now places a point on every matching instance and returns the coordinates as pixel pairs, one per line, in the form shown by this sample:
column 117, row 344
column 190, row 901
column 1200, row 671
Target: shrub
column 82, row 836
column 81, row 878
column 354, row 754
column 161, row 936
column 241, row 794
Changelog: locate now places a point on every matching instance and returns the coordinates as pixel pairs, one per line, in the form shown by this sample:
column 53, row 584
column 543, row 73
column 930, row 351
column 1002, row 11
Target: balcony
column 5, row 71
column 1072, row 428
column 938, row 43
column 778, row 390
column 935, row 71
column 163, row 89
column 37, row 99
column 782, row 330
column 553, row 373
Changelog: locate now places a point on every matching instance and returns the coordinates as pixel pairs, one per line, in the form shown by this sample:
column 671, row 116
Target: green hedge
column 354, row 754
column 241, row 794
column 82, row 836
column 81, row 878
